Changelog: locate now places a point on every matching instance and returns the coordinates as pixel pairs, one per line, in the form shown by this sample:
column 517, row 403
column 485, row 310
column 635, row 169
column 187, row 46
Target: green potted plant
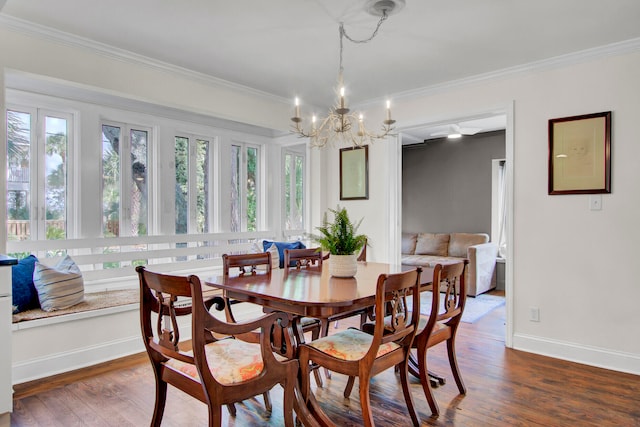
column 341, row 240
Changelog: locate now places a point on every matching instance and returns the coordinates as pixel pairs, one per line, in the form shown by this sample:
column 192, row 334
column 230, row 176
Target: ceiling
column 290, row 48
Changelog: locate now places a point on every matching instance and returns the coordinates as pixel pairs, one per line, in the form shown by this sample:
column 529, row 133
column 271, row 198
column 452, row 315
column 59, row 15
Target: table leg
column 435, row 379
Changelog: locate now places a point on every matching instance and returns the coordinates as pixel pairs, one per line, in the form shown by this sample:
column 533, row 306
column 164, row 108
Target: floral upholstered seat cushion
column 231, row 361
column 423, row 324
column 350, row 344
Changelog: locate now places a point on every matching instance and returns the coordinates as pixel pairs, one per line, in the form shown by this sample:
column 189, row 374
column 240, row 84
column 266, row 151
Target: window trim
column 37, row 165
column 294, row 153
column 260, row 185
column 126, row 176
column 192, row 139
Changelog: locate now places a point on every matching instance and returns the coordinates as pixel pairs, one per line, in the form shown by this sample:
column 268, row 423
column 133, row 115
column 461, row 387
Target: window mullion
column 243, row 187
column 38, row 177
column 125, row 181
column 192, row 222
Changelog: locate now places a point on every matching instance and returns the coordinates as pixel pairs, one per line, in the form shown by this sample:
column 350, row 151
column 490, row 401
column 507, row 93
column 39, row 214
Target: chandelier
column 341, row 124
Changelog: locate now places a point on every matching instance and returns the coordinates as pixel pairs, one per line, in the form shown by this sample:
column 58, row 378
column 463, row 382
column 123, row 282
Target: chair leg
column 316, row 332
column 267, row 401
column 406, row 390
column 324, row 331
column 161, row 399
column 349, row 387
column 453, row 361
column 435, row 379
column 425, row 381
column 305, row 386
column 215, row 416
column 365, row 403
column 363, row 318
column 231, row 407
column 316, row 374
column 289, row 398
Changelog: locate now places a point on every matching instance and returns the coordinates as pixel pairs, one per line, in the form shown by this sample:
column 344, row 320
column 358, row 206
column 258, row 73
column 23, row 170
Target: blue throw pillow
column 24, row 292
column 281, row 247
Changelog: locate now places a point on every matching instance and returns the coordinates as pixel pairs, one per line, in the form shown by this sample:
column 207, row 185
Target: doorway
column 418, row 133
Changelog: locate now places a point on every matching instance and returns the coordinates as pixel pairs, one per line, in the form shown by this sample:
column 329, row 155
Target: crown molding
column 29, row 28
column 57, row 36
column 614, row 49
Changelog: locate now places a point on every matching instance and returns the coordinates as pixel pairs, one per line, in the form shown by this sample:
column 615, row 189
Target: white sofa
column 429, row 249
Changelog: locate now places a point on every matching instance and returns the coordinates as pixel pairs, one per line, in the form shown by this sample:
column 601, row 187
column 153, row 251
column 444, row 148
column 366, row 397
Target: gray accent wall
column 446, row 184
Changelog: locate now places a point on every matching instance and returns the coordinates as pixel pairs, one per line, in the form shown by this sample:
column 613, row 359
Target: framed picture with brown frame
column 354, row 173
column 580, row 154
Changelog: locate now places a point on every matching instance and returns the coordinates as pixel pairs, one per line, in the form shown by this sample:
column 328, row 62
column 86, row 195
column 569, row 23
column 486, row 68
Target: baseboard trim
column 71, row 360
column 588, row 355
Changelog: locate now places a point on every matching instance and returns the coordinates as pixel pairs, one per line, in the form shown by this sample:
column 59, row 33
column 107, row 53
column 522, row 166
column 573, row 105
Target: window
column 293, row 190
column 38, row 148
column 124, row 180
column 244, row 187
column 193, row 159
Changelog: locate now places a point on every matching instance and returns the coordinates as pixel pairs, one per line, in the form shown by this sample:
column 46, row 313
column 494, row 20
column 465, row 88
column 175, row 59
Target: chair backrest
column 362, row 256
column 159, row 294
column 244, row 261
column 393, row 320
column 448, row 304
column 311, row 257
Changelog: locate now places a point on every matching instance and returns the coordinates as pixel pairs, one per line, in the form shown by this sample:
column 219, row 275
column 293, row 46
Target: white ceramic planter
column 343, row 265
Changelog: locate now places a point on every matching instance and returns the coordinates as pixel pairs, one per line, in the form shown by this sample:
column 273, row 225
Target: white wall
column 577, row 266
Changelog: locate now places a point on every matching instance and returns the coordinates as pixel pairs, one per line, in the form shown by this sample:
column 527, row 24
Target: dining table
column 309, row 292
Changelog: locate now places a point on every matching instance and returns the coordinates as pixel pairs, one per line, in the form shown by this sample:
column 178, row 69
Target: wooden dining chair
column 356, row 353
column 309, row 258
column 299, row 258
column 257, row 263
column 216, row 371
column 440, row 326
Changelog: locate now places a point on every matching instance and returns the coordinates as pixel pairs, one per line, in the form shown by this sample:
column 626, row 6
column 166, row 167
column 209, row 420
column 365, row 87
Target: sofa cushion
column 428, row 260
column 432, row 244
column 409, row 243
column 460, row 242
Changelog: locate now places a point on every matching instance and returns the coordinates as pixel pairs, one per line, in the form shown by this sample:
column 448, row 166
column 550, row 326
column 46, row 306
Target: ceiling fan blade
column 468, row 131
column 439, row 134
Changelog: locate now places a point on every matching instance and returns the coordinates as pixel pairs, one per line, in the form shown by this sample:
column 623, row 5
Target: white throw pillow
column 275, row 256
column 59, row 287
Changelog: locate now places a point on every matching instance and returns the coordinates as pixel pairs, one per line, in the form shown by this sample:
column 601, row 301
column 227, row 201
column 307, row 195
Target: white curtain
column 502, row 209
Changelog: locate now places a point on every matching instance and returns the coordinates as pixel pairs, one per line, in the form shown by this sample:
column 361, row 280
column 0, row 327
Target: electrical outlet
column 595, row 202
column 534, row 314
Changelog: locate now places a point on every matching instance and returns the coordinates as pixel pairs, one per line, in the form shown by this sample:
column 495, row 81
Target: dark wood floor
column 504, row 388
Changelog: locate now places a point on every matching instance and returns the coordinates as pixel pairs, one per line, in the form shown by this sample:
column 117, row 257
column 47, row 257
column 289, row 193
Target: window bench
column 104, row 327
column 94, row 304
column 107, row 325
